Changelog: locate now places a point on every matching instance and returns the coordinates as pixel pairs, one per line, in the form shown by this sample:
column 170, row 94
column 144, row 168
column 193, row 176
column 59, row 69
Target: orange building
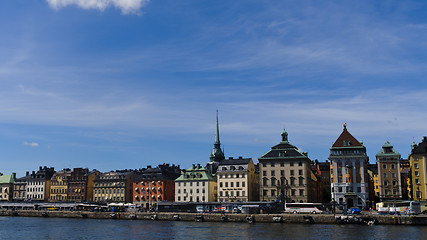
column 155, row 184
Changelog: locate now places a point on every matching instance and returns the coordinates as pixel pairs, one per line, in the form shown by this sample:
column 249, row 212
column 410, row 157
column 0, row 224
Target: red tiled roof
column 346, row 136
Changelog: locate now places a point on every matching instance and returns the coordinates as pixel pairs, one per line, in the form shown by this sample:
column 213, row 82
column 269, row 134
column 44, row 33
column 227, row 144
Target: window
column 339, row 189
column 417, row 181
column 264, row 164
column 243, row 193
column 393, row 175
column 300, row 164
column 264, row 192
column 301, row 192
column 282, row 172
column 272, row 164
column 272, row 173
column 226, row 184
column 243, row 184
column 416, row 165
column 417, row 174
column 237, row 175
column 300, row 172
column 291, row 163
column 293, row 192
column 386, row 191
column 273, row 192
column 282, row 164
column 292, row 172
column 384, row 166
column 264, row 173
column 385, row 183
column 220, row 184
column 392, row 166
column 264, row 181
column 237, row 184
column 231, row 184
column 394, row 183
column 226, row 176
column 301, row 181
column 385, row 175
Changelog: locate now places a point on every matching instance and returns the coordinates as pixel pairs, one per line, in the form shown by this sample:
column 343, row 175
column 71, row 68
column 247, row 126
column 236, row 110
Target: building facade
column 6, row 186
column 80, row 185
column 59, row 186
column 285, row 174
column 389, row 176
column 196, row 184
column 418, row 160
column 323, row 175
column 155, row 184
column 38, row 184
column 238, row 180
column 114, row 186
column 20, row 188
column 349, row 177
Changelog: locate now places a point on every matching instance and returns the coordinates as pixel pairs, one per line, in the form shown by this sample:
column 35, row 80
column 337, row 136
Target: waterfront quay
column 217, row 217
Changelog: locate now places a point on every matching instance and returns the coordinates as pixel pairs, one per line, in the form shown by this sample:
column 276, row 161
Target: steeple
column 217, row 155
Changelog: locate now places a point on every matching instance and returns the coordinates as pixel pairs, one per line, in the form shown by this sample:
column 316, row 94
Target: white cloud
column 126, row 6
column 31, row 144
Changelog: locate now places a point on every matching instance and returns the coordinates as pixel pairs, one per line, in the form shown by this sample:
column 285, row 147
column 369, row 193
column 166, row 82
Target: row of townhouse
column 284, row 174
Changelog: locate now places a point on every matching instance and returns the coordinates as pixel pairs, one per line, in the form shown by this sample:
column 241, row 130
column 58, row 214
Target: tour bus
column 303, row 208
column 400, row 207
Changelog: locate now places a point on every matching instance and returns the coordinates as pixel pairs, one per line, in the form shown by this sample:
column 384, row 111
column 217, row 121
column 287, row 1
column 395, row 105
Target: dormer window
column 346, row 143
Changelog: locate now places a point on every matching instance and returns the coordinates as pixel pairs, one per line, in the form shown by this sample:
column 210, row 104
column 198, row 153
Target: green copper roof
column 387, row 150
column 196, row 173
column 7, row 178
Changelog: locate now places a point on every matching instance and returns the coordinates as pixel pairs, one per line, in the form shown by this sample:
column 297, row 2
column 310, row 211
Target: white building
column 349, row 177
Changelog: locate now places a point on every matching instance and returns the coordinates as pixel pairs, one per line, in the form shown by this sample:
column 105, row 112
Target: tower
column 217, row 155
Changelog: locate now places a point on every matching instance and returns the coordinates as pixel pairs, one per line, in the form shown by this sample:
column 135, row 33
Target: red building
column 155, row 184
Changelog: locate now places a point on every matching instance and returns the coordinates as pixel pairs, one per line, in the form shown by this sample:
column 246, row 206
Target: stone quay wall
column 213, row 217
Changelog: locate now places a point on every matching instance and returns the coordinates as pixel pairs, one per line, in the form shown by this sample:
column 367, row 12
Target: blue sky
column 117, row 84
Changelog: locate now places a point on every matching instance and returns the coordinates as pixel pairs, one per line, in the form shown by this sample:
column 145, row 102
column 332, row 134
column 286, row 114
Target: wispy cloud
column 31, row 144
column 126, row 6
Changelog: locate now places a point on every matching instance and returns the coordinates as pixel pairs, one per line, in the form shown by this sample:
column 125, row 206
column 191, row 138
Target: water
column 61, row 228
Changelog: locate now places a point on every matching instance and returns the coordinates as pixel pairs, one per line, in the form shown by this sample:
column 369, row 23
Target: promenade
column 216, row 217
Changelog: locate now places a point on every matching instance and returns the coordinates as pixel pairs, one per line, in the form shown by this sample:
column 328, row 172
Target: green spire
column 217, row 154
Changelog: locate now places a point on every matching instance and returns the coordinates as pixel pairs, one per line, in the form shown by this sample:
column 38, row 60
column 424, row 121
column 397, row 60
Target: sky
column 122, row 84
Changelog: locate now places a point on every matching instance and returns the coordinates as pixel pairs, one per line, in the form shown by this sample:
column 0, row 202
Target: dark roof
column 283, row 150
column 421, row 148
column 346, row 140
column 235, row 161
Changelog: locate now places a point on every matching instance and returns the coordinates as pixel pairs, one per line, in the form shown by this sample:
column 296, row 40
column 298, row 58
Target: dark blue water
column 61, row 228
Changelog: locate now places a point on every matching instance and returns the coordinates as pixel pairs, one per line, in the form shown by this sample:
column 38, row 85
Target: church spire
column 217, row 155
column 217, row 131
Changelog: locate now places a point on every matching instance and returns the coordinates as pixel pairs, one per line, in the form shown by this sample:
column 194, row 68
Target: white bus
column 303, row 208
column 399, row 207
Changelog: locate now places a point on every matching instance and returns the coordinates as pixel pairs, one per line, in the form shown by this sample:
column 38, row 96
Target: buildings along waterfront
column 283, row 174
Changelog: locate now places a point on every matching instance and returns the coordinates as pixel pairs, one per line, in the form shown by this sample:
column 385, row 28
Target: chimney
column 14, row 176
column 27, row 173
column 40, row 168
column 240, row 157
column 230, row 158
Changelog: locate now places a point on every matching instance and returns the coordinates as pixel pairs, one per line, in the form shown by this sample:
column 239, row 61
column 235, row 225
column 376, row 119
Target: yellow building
column 59, row 186
column 237, row 180
column 376, row 184
column 418, row 159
